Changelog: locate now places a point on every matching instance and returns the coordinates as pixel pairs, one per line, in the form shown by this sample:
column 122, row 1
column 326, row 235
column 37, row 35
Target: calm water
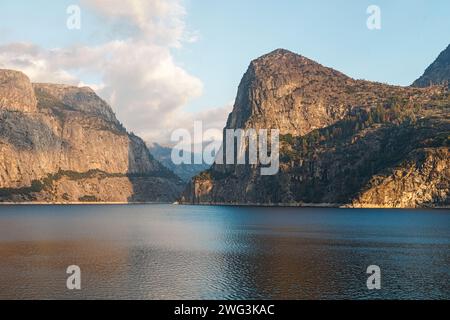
column 181, row 252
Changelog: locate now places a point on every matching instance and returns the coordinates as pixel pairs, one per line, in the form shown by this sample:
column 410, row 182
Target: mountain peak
column 285, row 83
column 281, row 51
column 438, row 72
column 342, row 141
column 16, row 92
column 282, row 63
column 282, row 57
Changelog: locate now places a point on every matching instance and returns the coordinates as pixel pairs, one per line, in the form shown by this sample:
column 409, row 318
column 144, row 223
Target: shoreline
column 256, row 205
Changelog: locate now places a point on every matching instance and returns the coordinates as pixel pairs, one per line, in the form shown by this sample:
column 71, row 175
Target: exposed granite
column 59, row 128
column 16, row 92
column 339, row 135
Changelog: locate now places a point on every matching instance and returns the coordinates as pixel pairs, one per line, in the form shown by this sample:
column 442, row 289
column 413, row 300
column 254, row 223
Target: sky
column 162, row 64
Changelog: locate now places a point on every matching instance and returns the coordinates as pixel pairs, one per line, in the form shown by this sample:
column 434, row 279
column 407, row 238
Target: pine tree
column 369, row 120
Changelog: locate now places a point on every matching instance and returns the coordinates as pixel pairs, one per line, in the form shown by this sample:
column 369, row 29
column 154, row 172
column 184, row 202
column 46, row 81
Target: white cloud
column 34, row 62
column 160, row 21
column 134, row 70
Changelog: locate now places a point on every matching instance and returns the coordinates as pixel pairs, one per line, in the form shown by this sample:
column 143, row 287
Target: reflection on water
column 183, row 252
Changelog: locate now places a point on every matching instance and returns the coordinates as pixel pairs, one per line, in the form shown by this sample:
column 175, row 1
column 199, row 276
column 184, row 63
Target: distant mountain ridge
column 185, row 171
column 344, row 142
column 62, row 143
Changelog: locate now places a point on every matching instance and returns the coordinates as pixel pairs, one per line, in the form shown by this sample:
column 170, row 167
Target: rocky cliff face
column 344, row 141
column 279, row 90
column 421, row 180
column 438, row 72
column 62, row 143
column 16, row 92
column 286, row 91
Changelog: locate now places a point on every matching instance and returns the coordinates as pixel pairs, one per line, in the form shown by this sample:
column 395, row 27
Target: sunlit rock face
column 343, row 141
column 16, row 92
column 64, row 143
column 421, row 180
column 80, row 99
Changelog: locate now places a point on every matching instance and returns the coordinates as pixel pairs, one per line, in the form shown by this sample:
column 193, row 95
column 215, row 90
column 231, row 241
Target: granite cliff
column 61, row 143
column 344, row 142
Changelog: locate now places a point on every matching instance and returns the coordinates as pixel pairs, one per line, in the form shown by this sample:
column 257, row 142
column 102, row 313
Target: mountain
column 61, row 143
column 344, row 142
column 438, row 72
column 185, row 171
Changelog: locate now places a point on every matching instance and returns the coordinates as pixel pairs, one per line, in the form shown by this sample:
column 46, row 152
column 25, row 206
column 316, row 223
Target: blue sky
column 333, row 33
column 229, row 34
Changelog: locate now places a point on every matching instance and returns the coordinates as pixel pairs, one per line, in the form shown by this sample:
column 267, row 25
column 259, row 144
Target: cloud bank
column 134, row 69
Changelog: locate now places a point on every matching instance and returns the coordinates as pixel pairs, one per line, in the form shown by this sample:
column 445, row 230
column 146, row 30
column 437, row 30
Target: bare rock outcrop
column 82, row 99
column 16, row 92
column 421, row 181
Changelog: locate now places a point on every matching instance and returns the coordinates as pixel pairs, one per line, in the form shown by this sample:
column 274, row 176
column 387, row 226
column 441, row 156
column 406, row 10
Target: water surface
column 186, row 252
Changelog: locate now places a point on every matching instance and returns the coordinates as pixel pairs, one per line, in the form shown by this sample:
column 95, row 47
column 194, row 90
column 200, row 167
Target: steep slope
column 437, row 73
column 63, row 144
column 343, row 141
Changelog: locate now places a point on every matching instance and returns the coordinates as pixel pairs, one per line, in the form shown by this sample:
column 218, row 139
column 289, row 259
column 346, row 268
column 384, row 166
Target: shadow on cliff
column 343, row 166
column 27, row 133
